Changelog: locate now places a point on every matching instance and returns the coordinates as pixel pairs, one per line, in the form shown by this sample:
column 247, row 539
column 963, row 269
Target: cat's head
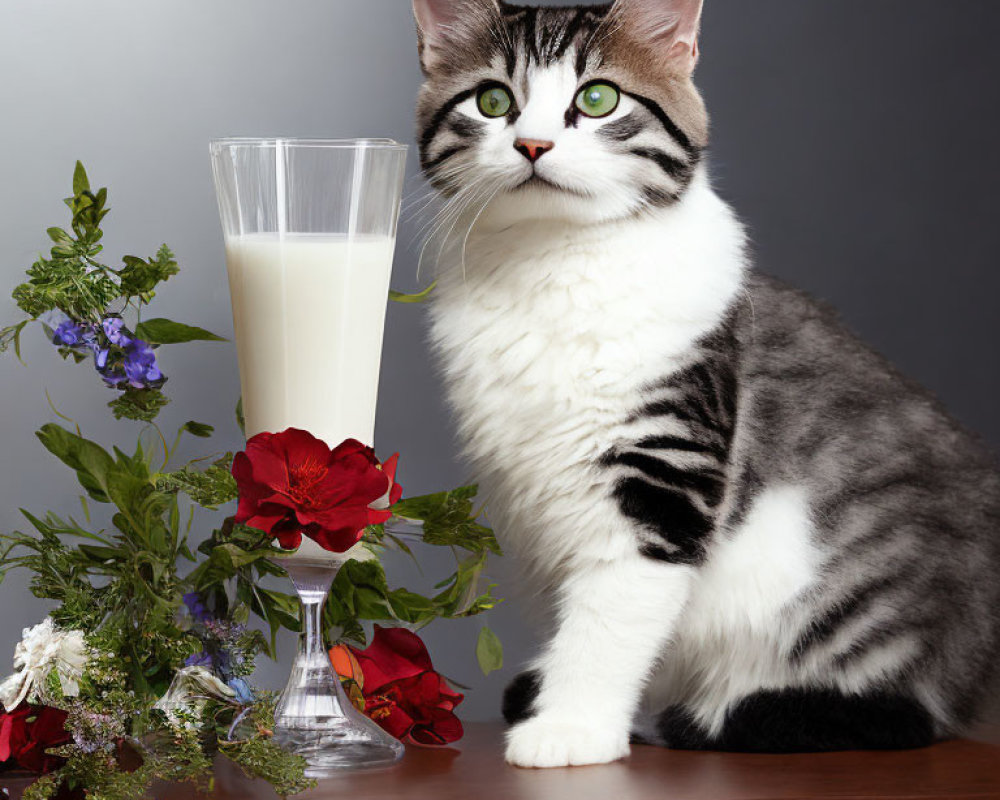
column 584, row 112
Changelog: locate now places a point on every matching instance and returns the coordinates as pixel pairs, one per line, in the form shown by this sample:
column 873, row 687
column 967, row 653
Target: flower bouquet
column 142, row 671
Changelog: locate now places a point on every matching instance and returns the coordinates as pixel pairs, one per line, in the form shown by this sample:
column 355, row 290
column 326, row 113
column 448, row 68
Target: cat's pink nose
column 533, row 149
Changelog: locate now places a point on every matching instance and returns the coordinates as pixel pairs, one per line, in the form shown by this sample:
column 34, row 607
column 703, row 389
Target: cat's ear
column 445, row 25
column 669, row 27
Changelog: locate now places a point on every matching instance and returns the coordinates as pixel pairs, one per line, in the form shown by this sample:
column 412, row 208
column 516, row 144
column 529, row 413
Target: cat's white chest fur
column 547, row 336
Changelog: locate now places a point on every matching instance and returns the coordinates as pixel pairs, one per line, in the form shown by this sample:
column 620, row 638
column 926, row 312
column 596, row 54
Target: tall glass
column 310, row 231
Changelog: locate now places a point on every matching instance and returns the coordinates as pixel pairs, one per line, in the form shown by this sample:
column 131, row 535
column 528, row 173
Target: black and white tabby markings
column 672, row 500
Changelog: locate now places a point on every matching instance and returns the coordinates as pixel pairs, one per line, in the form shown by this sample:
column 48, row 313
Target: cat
column 752, row 532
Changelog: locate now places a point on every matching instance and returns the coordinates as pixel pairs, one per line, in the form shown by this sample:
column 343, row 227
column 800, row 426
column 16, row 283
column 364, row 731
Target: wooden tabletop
column 474, row 770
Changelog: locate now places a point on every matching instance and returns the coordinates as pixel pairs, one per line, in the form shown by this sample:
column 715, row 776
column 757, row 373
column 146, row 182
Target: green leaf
column 419, row 297
column 129, row 494
column 225, row 560
column 199, row 429
column 230, row 558
column 80, row 182
column 164, row 331
column 134, row 465
column 91, row 461
column 277, row 609
column 449, row 520
column 99, row 553
column 459, row 590
column 240, row 419
column 489, row 651
column 59, row 236
column 362, row 587
column 11, row 336
column 412, row 607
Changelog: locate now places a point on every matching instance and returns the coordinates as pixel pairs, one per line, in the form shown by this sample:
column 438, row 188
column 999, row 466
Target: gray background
column 857, row 138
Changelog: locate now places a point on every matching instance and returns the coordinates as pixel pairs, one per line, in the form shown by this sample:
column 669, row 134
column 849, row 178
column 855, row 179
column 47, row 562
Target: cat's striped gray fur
column 766, row 537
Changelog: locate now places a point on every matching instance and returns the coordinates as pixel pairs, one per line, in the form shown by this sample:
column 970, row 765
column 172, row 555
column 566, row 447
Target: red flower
column 27, row 732
column 292, row 483
column 402, row 692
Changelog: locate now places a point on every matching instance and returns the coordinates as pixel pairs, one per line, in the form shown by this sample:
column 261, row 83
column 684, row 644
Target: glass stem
column 312, row 583
column 311, row 645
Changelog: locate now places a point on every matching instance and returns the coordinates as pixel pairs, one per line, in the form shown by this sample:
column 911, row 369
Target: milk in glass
column 309, row 313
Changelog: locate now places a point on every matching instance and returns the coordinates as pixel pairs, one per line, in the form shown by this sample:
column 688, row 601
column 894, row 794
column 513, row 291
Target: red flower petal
column 266, row 517
column 389, row 468
column 336, row 541
column 377, row 516
column 350, row 447
column 23, row 743
column 394, row 721
column 295, row 444
column 262, row 439
column 289, row 538
column 347, row 516
column 394, row 654
column 444, row 728
column 352, row 480
column 270, row 468
column 6, row 732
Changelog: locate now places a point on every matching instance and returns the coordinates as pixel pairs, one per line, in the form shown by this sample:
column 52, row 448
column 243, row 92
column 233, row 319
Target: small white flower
column 190, row 690
column 42, row 649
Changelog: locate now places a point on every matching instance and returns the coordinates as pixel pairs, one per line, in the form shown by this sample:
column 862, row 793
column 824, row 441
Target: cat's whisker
column 498, row 187
column 481, row 189
column 417, row 206
column 416, row 202
column 444, row 210
column 451, row 207
column 610, row 25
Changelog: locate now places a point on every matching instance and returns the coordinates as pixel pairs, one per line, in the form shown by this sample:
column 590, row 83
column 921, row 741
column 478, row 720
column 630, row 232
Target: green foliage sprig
column 74, row 283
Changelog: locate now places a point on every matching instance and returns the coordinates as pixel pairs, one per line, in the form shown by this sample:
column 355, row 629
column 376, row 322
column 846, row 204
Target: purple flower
column 115, row 330
column 112, row 374
column 215, row 660
column 126, row 359
column 68, row 334
column 74, row 335
column 201, row 659
column 140, row 365
column 141, row 370
column 196, row 608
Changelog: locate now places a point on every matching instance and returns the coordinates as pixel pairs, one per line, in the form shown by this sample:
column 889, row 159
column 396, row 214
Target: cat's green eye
column 598, row 99
column 495, row 101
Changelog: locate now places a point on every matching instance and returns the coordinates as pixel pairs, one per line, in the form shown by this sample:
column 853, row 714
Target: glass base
column 314, row 717
column 338, row 747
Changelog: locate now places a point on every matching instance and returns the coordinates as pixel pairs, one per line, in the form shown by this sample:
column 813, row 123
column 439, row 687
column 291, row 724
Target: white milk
column 309, row 313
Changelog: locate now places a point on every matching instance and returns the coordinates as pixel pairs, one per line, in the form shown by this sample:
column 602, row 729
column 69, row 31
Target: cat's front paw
column 547, row 742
